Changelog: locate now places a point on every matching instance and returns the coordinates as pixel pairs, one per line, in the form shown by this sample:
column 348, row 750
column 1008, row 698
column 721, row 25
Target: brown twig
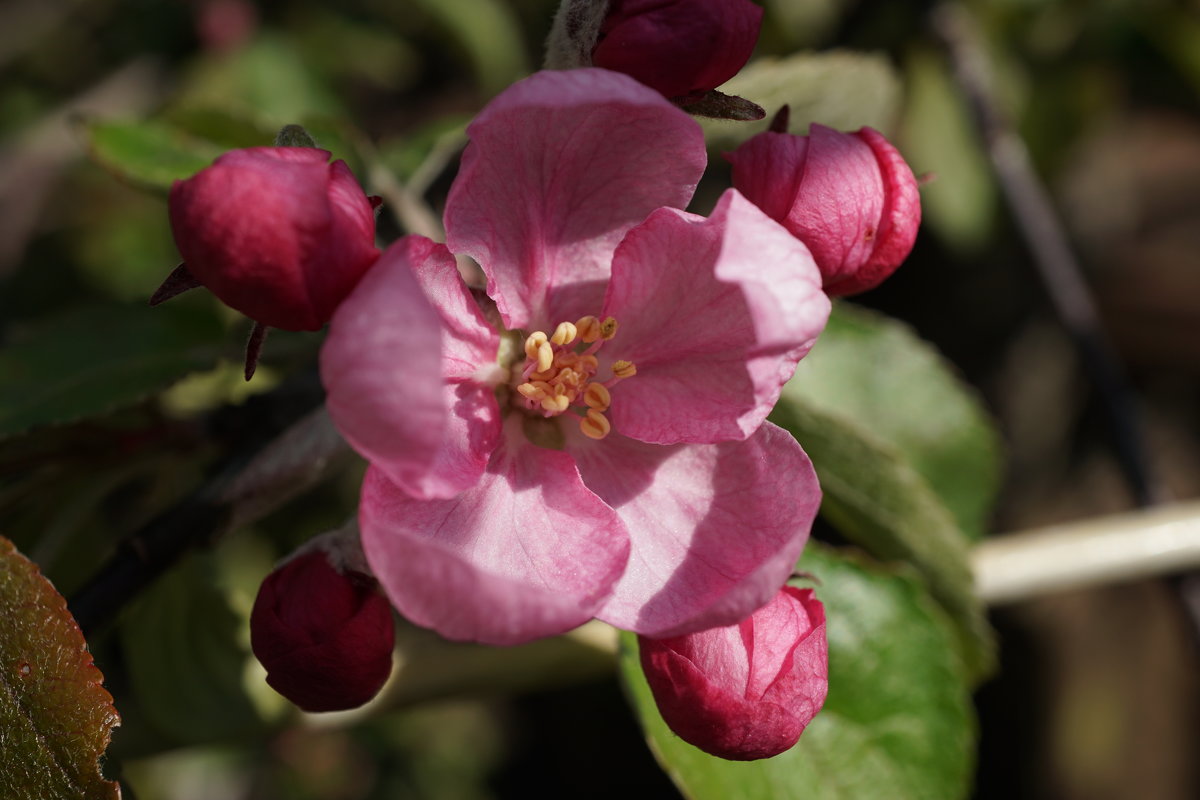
column 1043, row 231
column 248, row 485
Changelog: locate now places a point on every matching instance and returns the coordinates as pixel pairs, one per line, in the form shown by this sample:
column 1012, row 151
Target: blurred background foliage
column 110, row 414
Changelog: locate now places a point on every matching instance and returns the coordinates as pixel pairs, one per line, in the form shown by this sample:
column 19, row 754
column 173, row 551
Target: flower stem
column 1039, row 224
column 1140, row 544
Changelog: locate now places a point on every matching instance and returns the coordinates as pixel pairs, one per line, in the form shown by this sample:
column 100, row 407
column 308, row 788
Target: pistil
column 560, row 371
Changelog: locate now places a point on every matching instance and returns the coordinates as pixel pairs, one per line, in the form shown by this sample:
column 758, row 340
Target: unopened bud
column 848, row 196
column 324, row 634
column 744, row 691
column 682, row 48
column 275, row 232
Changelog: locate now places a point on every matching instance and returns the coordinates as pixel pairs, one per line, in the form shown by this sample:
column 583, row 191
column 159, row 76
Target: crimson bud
column 744, row 691
column 848, row 196
column 276, row 233
column 679, row 47
column 324, row 635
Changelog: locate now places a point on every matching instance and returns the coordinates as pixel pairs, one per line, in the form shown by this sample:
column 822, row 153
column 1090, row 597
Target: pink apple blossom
column 744, row 691
column 590, row 442
column 848, row 196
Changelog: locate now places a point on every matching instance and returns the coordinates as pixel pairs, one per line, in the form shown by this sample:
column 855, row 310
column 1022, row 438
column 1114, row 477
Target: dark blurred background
column 1098, row 696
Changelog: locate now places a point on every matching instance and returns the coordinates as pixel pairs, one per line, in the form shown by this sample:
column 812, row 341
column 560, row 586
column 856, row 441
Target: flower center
column 560, row 371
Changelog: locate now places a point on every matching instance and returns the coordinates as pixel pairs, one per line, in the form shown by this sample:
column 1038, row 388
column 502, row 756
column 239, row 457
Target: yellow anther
column 595, row 425
column 545, row 356
column 588, row 329
column 535, row 390
column 596, row 396
column 558, row 377
column 564, row 333
column 533, row 343
column 556, row 404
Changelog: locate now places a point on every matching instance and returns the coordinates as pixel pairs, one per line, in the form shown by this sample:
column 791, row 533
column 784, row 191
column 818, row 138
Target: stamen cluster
column 560, row 369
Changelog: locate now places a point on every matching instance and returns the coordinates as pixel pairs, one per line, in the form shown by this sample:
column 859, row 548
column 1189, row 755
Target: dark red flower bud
column 681, row 48
column 848, row 196
column 745, row 691
column 276, row 233
column 324, row 636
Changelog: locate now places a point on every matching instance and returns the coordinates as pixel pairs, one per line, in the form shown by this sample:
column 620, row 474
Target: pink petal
column 768, row 169
column 716, row 528
column 771, row 636
column 349, row 248
column 256, row 156
column 803, row 676
column 840, row 196
column 396, row 366
column 836, row 191
column 899, row 222
column 527, row 552
column 559, row 167
column 715, row 313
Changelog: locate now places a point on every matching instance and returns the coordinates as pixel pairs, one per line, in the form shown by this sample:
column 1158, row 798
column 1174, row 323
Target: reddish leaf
column 55, row 717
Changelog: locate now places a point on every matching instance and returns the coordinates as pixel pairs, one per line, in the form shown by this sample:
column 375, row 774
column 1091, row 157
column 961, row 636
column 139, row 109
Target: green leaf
column 356, row 49
column 182, row 645
column 95, row 359
column 121, row 240
column 220, row 127
column 876, row 499
column 156, row 153
column 151, row 155
column 488, row 31
column 938, row 138
column 874, row 371
column 1176, row 32
column 803, row 24
column 56, row 718
column 842, row 89
column 897, row 722
column 268, row 82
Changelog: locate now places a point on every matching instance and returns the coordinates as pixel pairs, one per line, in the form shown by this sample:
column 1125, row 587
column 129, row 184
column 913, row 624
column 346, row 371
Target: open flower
column 594, row 444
